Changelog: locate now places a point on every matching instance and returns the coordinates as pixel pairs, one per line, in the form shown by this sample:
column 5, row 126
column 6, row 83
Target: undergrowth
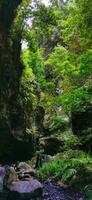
column 75, row 172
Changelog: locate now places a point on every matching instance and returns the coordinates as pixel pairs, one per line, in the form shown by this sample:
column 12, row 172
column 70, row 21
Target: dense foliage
column 46, row 85
column 59, row 54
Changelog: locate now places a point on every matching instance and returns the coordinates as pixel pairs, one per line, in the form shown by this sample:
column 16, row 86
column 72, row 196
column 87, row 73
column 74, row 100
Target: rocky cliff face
column 12, row 120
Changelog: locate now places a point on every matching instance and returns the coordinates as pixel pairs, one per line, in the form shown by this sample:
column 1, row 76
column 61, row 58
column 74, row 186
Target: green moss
column 59, row 123
column 69, row 140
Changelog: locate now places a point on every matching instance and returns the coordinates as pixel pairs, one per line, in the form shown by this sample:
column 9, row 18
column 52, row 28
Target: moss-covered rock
column 82, row 126
column 51, row 145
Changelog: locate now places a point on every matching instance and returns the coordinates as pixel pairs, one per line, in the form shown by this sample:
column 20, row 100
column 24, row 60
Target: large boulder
column 25, row 190
column 82, row 126
column 51, row 145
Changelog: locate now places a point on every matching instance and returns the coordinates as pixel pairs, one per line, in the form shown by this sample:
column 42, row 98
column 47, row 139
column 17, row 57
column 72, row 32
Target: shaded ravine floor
column 52, row 191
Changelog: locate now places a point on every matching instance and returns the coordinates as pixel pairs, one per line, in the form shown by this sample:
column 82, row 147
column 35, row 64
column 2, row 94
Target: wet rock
column 10, row 176
column 23, row 166
column 25, row 190
column 24, row 170
column 23, row 176
column 2, row 175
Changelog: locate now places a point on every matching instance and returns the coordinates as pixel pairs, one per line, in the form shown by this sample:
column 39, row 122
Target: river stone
column 10, row 177
column 25, row 189
column 23, row 167
column 2, row 175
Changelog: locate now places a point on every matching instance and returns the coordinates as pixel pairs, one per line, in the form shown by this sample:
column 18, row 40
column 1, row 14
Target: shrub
column 58, row 122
